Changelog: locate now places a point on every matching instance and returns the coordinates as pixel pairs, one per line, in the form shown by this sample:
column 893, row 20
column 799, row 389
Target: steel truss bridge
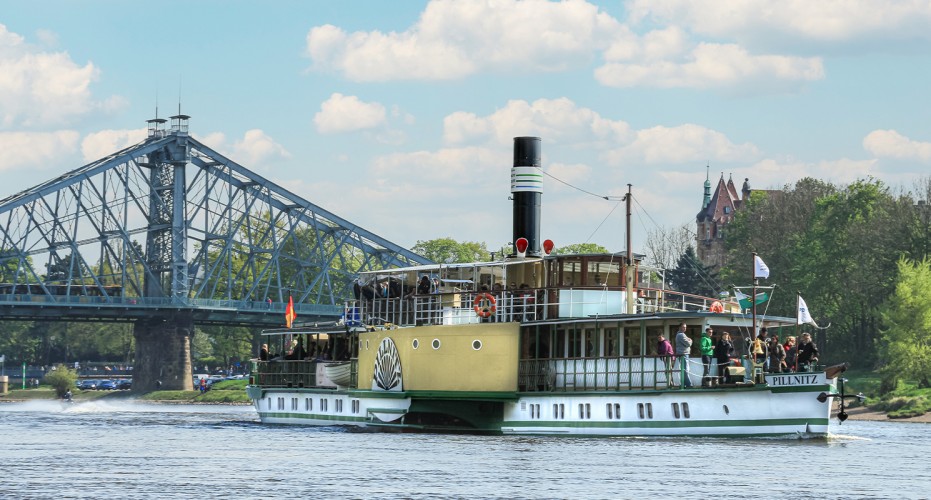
column 169, row 234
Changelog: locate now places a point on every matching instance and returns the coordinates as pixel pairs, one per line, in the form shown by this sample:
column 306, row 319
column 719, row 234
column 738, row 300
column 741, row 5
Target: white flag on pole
column 804, row 315
column 760, row 269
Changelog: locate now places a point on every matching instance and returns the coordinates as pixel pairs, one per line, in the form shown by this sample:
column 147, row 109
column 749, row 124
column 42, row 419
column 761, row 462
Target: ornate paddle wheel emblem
column 387, row 367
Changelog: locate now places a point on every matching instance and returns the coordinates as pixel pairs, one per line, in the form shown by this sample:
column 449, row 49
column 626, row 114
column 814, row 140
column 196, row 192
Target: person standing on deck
column 707, row 351
column 683, row 347
column 665, row 352
column 722, row 352
column 807, row 353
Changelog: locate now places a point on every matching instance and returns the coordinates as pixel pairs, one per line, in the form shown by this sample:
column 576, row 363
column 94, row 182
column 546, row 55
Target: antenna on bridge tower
column 179, row 123
column 155, row 124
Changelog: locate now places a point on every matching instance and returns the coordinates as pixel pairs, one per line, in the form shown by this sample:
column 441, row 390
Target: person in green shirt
column 707, row 350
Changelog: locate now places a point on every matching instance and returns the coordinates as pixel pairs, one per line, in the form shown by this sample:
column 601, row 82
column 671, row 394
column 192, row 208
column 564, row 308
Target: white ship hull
column 786, row 405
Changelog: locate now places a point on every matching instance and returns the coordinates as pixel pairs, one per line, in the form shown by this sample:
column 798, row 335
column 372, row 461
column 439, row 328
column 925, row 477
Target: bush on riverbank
column 904, row 401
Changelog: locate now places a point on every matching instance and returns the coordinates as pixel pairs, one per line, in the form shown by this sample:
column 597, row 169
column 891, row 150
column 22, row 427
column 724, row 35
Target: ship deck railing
column 613, row 373
column 283, row 373
column 522, row 305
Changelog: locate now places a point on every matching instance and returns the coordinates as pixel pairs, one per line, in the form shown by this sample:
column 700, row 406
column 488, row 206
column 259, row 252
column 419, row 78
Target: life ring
column 484, row 305
column 717, row 307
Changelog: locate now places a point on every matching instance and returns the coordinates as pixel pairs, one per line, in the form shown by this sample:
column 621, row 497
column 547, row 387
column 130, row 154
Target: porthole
column 436, row 343
column 415, row 344
column 476, row 344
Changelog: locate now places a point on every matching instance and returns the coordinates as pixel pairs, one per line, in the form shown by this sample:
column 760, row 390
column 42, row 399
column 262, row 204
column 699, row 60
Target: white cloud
column 254, row 150
column 681, row 145
column 341, row 113
column 556, row 119
column 100, row 144
column 891, row 144
column 40, row 88
column 448, row 166
column 456, row 39
column 711, row 65
column 257, row 148
column 35, row 149
column 788, row 21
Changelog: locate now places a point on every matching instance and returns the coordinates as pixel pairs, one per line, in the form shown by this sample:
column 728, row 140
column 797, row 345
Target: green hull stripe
column 671, row 424
column 312, row 416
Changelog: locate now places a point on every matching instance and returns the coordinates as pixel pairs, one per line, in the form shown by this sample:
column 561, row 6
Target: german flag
column 289, row 314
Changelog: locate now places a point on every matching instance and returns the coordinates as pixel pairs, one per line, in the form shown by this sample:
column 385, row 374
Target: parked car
column 106, row 385
column 87, row 384
column 124, row 384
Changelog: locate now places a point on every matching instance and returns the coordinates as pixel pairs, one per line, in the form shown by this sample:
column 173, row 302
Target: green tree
column 838, row 246
column 690, row 276
column 61, row 378
column 580, row 248
column 451, row 251
column 905, row 344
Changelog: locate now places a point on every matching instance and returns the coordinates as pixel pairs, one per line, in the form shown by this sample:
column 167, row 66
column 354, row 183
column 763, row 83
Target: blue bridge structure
column 169, row 234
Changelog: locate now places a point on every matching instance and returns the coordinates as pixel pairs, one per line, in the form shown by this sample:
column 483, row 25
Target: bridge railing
column 239, row 305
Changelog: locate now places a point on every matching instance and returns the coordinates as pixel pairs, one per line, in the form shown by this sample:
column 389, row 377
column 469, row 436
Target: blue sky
column 399, row 116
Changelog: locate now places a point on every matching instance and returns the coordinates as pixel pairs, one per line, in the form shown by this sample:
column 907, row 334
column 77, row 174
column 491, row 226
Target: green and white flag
column 744, row 299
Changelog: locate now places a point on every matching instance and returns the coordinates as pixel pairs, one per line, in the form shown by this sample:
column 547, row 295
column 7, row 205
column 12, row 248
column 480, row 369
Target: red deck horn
column 548, row 247
column 521, row 245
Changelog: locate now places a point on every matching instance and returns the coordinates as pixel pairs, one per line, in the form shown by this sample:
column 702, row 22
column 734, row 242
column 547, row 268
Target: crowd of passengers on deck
column 764, row 353
column 497, row 303
column 316, row 351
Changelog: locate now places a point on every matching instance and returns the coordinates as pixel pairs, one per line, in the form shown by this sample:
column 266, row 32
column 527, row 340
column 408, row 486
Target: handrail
column 526, row 304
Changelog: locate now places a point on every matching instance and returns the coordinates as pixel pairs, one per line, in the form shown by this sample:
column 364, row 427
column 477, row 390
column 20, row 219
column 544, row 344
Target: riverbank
column 864, row 413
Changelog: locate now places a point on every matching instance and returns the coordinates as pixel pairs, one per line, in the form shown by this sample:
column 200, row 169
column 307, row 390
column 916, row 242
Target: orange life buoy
column 717, row 307
column 484, row 305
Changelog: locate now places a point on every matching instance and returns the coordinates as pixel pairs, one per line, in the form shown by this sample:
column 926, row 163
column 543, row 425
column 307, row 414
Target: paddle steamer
column 534, row 343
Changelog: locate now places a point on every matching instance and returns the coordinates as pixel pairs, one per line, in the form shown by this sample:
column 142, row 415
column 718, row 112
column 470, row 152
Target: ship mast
column 753, row 332
column 629, row 274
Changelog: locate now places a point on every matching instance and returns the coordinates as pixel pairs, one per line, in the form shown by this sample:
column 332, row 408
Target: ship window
column 308, row 404
column 612, row 344
column 268, row 404
column 640, row 410
column 477, row 344
column 281, row 403
column 366, row 345
column 727, row 410
column 436, row 343
column 675, row 410
column 415, row 344
column 604, row 273
column 649, row 410
column 323, row 404
column 355, row 406
column 559, row 411
column 339, row 406
column 617, row 411
column 608, row 410
column 293, row 404
column 685, row 410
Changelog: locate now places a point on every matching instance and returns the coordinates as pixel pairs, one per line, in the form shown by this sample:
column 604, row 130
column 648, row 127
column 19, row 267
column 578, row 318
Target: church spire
column 707, row 199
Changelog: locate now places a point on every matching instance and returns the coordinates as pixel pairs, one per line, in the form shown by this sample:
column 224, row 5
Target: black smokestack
column 527, row 192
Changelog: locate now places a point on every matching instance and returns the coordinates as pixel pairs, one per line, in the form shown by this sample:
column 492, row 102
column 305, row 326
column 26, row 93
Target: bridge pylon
column 163, row 354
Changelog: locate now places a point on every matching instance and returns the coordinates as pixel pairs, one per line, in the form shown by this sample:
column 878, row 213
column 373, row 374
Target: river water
column 137, row 450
